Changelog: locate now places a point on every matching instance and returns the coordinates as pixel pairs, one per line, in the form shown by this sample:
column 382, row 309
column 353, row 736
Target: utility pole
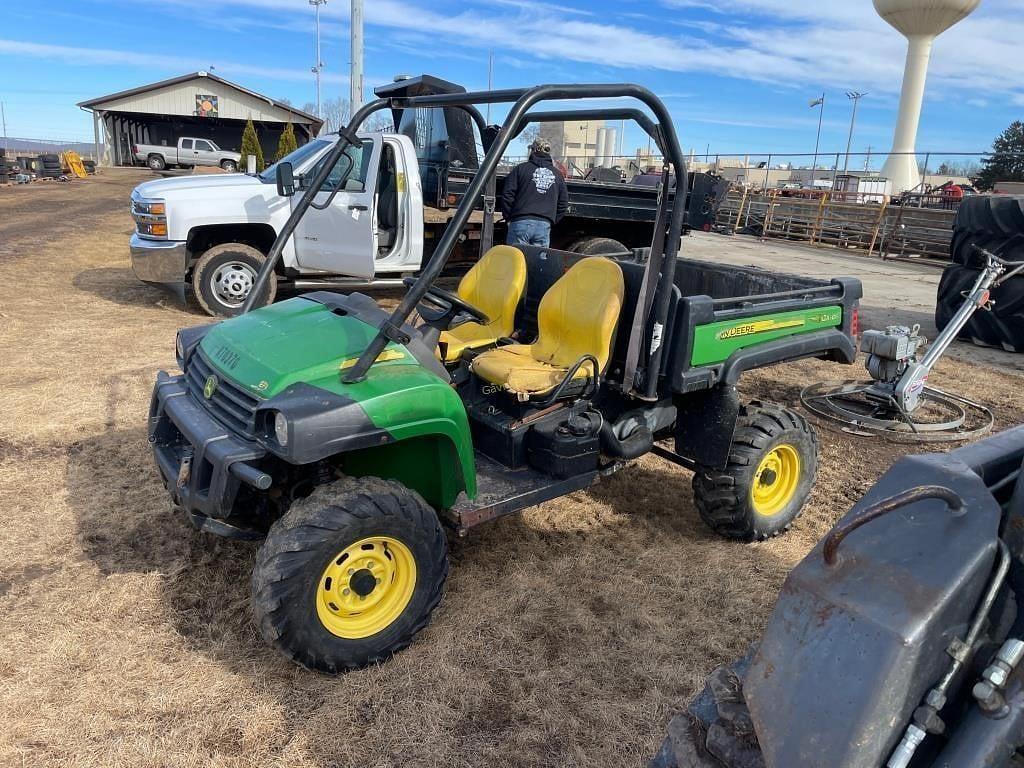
column 490, row 80
column 3, row 119
column 867, row 160
column 356, row 76
column 855, row 97
column 817, row 142
column 318, row 67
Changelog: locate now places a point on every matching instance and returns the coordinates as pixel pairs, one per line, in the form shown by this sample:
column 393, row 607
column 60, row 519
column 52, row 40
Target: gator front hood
column 296, row 340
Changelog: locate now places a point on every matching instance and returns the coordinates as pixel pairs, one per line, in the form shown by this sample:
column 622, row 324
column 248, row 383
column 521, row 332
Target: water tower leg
column 901, row 169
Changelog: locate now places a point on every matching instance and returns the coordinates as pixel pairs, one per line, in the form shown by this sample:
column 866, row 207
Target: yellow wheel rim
column 366, row 587
column 776, row 480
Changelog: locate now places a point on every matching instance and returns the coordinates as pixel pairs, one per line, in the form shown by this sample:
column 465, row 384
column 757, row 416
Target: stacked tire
column 995, row 223
column 50, row 166
column 5, row 169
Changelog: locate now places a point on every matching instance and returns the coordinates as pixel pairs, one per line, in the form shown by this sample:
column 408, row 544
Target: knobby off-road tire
column 1002, row 326
column 223, row 276
column 716, row 730
column 772, row 464
column 291, row 581
column 992, row 222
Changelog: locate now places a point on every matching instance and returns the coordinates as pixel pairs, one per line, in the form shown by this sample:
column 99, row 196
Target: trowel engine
column 890, row 354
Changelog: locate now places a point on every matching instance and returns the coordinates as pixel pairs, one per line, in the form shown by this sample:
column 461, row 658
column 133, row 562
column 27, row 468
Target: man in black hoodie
column 534, row 198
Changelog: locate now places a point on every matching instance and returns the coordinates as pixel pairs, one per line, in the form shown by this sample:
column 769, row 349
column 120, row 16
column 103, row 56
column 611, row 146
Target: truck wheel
column 350, row 574
column 229, row 165
column 224, row 276
column 156, row 162
column 771, row 469
column 597, row 246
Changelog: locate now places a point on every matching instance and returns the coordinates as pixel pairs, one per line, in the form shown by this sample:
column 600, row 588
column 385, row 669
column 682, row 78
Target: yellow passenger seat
column 494, row 285
column 577, row 316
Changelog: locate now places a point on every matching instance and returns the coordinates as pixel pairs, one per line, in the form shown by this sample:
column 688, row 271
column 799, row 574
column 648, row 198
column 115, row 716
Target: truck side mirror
column 285, row 180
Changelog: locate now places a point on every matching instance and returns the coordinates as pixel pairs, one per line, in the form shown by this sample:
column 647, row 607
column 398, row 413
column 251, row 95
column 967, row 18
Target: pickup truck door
column 342, row 238
column 204, row 153
column 186, row 153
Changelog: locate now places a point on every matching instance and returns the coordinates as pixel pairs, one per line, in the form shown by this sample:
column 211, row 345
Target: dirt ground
column 568, row 636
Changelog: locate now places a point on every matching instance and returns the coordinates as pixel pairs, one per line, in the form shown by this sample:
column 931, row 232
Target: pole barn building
column 198, row 104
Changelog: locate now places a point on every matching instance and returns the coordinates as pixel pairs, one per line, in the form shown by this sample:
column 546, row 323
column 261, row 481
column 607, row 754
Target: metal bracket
column 393, row 333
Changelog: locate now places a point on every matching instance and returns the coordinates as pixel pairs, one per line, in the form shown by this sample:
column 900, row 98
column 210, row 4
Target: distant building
column 198, row 104
column 575, row 142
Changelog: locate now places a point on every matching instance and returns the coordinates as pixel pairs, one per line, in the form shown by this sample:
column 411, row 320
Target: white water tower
column 920, row 21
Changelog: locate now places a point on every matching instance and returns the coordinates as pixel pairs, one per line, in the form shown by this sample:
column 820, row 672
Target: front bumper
column 202, row 463
column 163, row 262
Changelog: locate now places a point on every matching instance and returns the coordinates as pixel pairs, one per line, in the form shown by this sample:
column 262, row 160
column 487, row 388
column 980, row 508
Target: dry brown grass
column 568, row 636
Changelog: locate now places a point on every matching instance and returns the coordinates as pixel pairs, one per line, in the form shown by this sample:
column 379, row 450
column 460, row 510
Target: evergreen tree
column 251, row 146
column 286, row 144
column 1006, row 163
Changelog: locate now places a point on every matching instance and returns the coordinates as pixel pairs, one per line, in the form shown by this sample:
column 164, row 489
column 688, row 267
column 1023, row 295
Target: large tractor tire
column 224, row 276
column 772, row 465
column 1002, row 326
column 350, row 574
column 995, row 223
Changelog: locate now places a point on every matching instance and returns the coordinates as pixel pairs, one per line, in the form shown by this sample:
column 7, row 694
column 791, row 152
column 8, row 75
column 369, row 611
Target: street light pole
column 319, row 64
column 817, row 142
column 855, row 97
column 356, row 77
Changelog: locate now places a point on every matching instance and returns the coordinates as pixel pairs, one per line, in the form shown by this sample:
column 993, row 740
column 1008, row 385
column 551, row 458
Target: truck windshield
column 296, row 158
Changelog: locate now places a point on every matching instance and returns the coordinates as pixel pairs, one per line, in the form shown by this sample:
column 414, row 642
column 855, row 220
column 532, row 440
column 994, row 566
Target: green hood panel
column 269, row 349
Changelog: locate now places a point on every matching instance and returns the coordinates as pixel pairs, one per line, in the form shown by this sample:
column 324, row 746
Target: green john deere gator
column 344, row 437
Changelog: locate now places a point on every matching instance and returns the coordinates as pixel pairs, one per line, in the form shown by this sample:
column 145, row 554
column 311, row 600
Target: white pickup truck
column 188, row 153
column 208, row 235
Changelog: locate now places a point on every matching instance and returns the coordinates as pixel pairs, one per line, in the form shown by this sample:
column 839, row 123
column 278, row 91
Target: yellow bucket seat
column 494, row 285
column 577, row 316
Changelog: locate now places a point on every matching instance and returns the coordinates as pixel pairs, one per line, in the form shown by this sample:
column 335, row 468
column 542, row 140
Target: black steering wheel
column 440, row 308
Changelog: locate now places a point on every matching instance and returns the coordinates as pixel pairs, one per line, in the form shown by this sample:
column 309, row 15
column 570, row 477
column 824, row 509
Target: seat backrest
column 495, row 285
column 580, row 313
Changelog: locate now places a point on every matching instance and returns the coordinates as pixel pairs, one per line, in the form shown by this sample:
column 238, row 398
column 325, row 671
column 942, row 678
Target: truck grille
column 230, row 404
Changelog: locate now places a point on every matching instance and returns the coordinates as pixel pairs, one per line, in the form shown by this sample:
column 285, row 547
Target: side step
column 502, row 491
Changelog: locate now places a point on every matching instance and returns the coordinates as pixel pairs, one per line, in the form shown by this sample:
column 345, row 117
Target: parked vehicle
column 187, row 153
column 213, row 232
column 345, row 436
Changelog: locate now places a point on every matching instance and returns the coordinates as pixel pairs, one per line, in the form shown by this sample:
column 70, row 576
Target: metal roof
column 97, row 103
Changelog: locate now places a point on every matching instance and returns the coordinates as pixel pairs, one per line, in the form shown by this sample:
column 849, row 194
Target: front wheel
column 225, row 275
column 350, row 574
column 772, row 464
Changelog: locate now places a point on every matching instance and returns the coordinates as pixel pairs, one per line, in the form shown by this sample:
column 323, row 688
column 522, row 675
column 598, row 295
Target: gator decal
column 715, row 342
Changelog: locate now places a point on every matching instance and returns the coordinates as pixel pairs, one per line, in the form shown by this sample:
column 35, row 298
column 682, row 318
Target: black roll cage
column 664, row 244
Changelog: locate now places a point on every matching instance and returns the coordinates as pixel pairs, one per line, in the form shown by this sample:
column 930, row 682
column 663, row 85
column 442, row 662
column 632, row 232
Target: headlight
column 150, row 217
column 281, row 428
column 179, row 351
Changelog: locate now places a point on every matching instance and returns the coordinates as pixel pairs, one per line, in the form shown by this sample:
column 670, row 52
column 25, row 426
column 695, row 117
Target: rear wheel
column 229, row 165
column 156, row 162
column 350, row 574
column 224, row 277
column 772, row 464
column 597, row 246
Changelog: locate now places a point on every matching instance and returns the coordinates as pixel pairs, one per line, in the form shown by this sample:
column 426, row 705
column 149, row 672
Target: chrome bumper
column 159, row 261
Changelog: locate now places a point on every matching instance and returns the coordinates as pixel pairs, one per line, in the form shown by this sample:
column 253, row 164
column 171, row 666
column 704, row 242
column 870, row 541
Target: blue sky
column 736, row 74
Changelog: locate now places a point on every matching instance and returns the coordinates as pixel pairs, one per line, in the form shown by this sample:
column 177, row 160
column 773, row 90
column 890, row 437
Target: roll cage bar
column 660, row 269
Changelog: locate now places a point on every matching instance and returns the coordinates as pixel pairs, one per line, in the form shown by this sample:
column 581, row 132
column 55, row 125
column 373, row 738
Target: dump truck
column 347, row 438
